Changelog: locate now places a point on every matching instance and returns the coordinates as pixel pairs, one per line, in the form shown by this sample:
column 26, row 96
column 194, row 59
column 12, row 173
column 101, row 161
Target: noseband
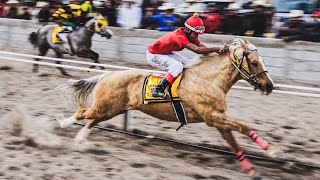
column 238, row 64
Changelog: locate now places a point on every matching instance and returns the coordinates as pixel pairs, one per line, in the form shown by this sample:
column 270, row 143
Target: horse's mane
column 233, row 44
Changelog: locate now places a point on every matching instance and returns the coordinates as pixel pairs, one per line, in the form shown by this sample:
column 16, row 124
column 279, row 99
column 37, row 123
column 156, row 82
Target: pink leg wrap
column 262, row 143
column 244, row 162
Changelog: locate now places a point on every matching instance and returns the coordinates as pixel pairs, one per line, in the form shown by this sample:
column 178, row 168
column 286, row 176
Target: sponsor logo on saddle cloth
column 151, row 82
column 54, row 38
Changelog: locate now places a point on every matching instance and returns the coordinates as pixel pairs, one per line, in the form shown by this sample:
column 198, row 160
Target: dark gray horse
column 79, row 41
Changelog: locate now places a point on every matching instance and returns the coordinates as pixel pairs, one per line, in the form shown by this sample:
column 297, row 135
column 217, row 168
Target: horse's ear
column 244, row 45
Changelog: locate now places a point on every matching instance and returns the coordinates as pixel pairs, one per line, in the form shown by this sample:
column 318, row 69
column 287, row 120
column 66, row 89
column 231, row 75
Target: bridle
column 247, row 73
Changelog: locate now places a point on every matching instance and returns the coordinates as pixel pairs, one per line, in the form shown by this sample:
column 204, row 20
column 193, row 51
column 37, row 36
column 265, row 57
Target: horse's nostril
column 269, row 87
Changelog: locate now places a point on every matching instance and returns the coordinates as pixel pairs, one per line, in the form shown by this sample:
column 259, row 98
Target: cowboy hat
column 166, row 6
column 295, row 13
column 234, row 6
column 189, row 1
column 12, row 2
column 260, row 3
column 41, row 4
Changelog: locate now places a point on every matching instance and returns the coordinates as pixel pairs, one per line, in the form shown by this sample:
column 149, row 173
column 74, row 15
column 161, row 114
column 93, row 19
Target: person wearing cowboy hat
column 231, row 22
column 129, row 15
column 162, row 52
column 294, row 28
column 313, row 28
column 165, row 20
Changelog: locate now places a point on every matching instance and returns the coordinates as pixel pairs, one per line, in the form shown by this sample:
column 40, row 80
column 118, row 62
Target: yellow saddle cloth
column 54, row 37
column 151, row 82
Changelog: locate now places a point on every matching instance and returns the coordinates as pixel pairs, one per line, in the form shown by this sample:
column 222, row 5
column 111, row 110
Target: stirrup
column 163, row 95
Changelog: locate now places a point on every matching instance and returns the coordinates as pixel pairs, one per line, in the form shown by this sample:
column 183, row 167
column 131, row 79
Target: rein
column 251, row 77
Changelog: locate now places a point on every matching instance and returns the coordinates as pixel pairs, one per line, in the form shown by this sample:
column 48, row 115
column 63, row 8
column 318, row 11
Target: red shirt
column 172, row 41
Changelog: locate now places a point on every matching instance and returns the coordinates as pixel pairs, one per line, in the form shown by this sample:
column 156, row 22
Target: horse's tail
column 81, row 89
column 33, row 38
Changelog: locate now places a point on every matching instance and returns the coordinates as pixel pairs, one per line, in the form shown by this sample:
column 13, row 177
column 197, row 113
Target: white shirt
column 129, row 17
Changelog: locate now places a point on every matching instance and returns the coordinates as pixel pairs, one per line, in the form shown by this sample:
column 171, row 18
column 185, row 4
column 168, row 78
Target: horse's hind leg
column 63, row 72
column 82, row 135
column 42, row 52
column 244, row 162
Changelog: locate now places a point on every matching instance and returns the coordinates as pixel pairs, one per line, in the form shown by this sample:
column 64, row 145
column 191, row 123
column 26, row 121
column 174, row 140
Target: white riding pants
column 173, row 62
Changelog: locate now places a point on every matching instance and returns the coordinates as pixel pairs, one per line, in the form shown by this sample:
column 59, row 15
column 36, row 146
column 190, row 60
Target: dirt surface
column 34, row 147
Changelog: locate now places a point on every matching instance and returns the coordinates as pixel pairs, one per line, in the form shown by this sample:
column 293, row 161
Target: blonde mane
column 233, row 44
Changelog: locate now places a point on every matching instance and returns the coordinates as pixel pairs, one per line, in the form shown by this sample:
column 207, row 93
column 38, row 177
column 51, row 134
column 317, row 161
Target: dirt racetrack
column 34, row 147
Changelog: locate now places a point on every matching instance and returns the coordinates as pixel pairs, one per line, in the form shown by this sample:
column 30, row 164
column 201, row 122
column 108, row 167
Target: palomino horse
column 203, row 91
column 79, row 41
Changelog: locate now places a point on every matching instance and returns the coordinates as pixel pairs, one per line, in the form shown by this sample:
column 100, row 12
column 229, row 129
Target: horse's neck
column 84, row 30
column 216, row 71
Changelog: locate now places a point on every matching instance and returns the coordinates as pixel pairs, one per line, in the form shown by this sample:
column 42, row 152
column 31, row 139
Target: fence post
column 125, row 124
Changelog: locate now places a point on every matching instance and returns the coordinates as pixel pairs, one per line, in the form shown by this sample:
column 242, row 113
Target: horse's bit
column 251, row 77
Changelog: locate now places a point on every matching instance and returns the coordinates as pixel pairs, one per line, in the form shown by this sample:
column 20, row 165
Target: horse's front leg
column 92, row 55
column 222, row 121
column 244, row 162
column 225, row 125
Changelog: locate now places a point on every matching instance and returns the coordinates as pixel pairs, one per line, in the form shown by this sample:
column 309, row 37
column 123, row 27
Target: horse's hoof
column 274, row 152
column 66, row 74
column 91, row 67
column 102, row 68
column 60, row 120
column 80, row 141
column 254, row 175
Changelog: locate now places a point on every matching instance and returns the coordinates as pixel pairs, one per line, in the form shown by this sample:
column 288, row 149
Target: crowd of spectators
column 249, row 19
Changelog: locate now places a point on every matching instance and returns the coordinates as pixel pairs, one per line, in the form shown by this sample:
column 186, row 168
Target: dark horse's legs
column 42, row 52
column 92, row 55
column 59, row 55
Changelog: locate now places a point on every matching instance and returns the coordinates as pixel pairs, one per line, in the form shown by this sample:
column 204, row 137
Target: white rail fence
column 14, row 58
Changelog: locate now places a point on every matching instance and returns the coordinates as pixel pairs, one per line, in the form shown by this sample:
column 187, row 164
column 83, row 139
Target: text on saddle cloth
column 151, row 82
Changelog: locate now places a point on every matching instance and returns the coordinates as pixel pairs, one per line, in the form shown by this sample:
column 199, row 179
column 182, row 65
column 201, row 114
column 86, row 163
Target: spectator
column 147, row 22
column 130, row 15
column 11, row 9
column 313, row 31
column 165, row 20
column 24, row 13
column 44, row 14
column 109, row 11
column 231, row 22
column 2, row 4
column 259, row 20
column 294, row 28
column 212, row 18
column 147, row 4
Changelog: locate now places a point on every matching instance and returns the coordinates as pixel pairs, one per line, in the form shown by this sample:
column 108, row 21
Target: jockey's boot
column 159, row 90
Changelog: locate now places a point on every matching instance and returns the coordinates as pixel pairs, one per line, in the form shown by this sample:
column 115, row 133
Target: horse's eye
column 254, row 64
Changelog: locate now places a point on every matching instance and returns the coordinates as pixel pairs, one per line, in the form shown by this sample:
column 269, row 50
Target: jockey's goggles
column 199, row 29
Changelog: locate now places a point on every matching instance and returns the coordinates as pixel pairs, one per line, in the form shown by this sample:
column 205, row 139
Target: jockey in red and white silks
column 161, row 53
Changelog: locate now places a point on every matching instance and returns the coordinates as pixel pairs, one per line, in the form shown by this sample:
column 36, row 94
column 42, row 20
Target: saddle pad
column 151, row 82
column 55, row 31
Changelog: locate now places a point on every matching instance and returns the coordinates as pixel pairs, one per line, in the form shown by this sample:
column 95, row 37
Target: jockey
column 160, row 53
column 72, row 15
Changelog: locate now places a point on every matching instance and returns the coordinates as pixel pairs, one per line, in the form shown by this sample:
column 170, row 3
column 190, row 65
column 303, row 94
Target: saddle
column 54, row 38
column 151, row 82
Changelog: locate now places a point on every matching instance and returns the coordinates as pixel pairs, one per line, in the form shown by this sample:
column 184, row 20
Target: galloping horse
column 203, row 91
column 79, row 41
